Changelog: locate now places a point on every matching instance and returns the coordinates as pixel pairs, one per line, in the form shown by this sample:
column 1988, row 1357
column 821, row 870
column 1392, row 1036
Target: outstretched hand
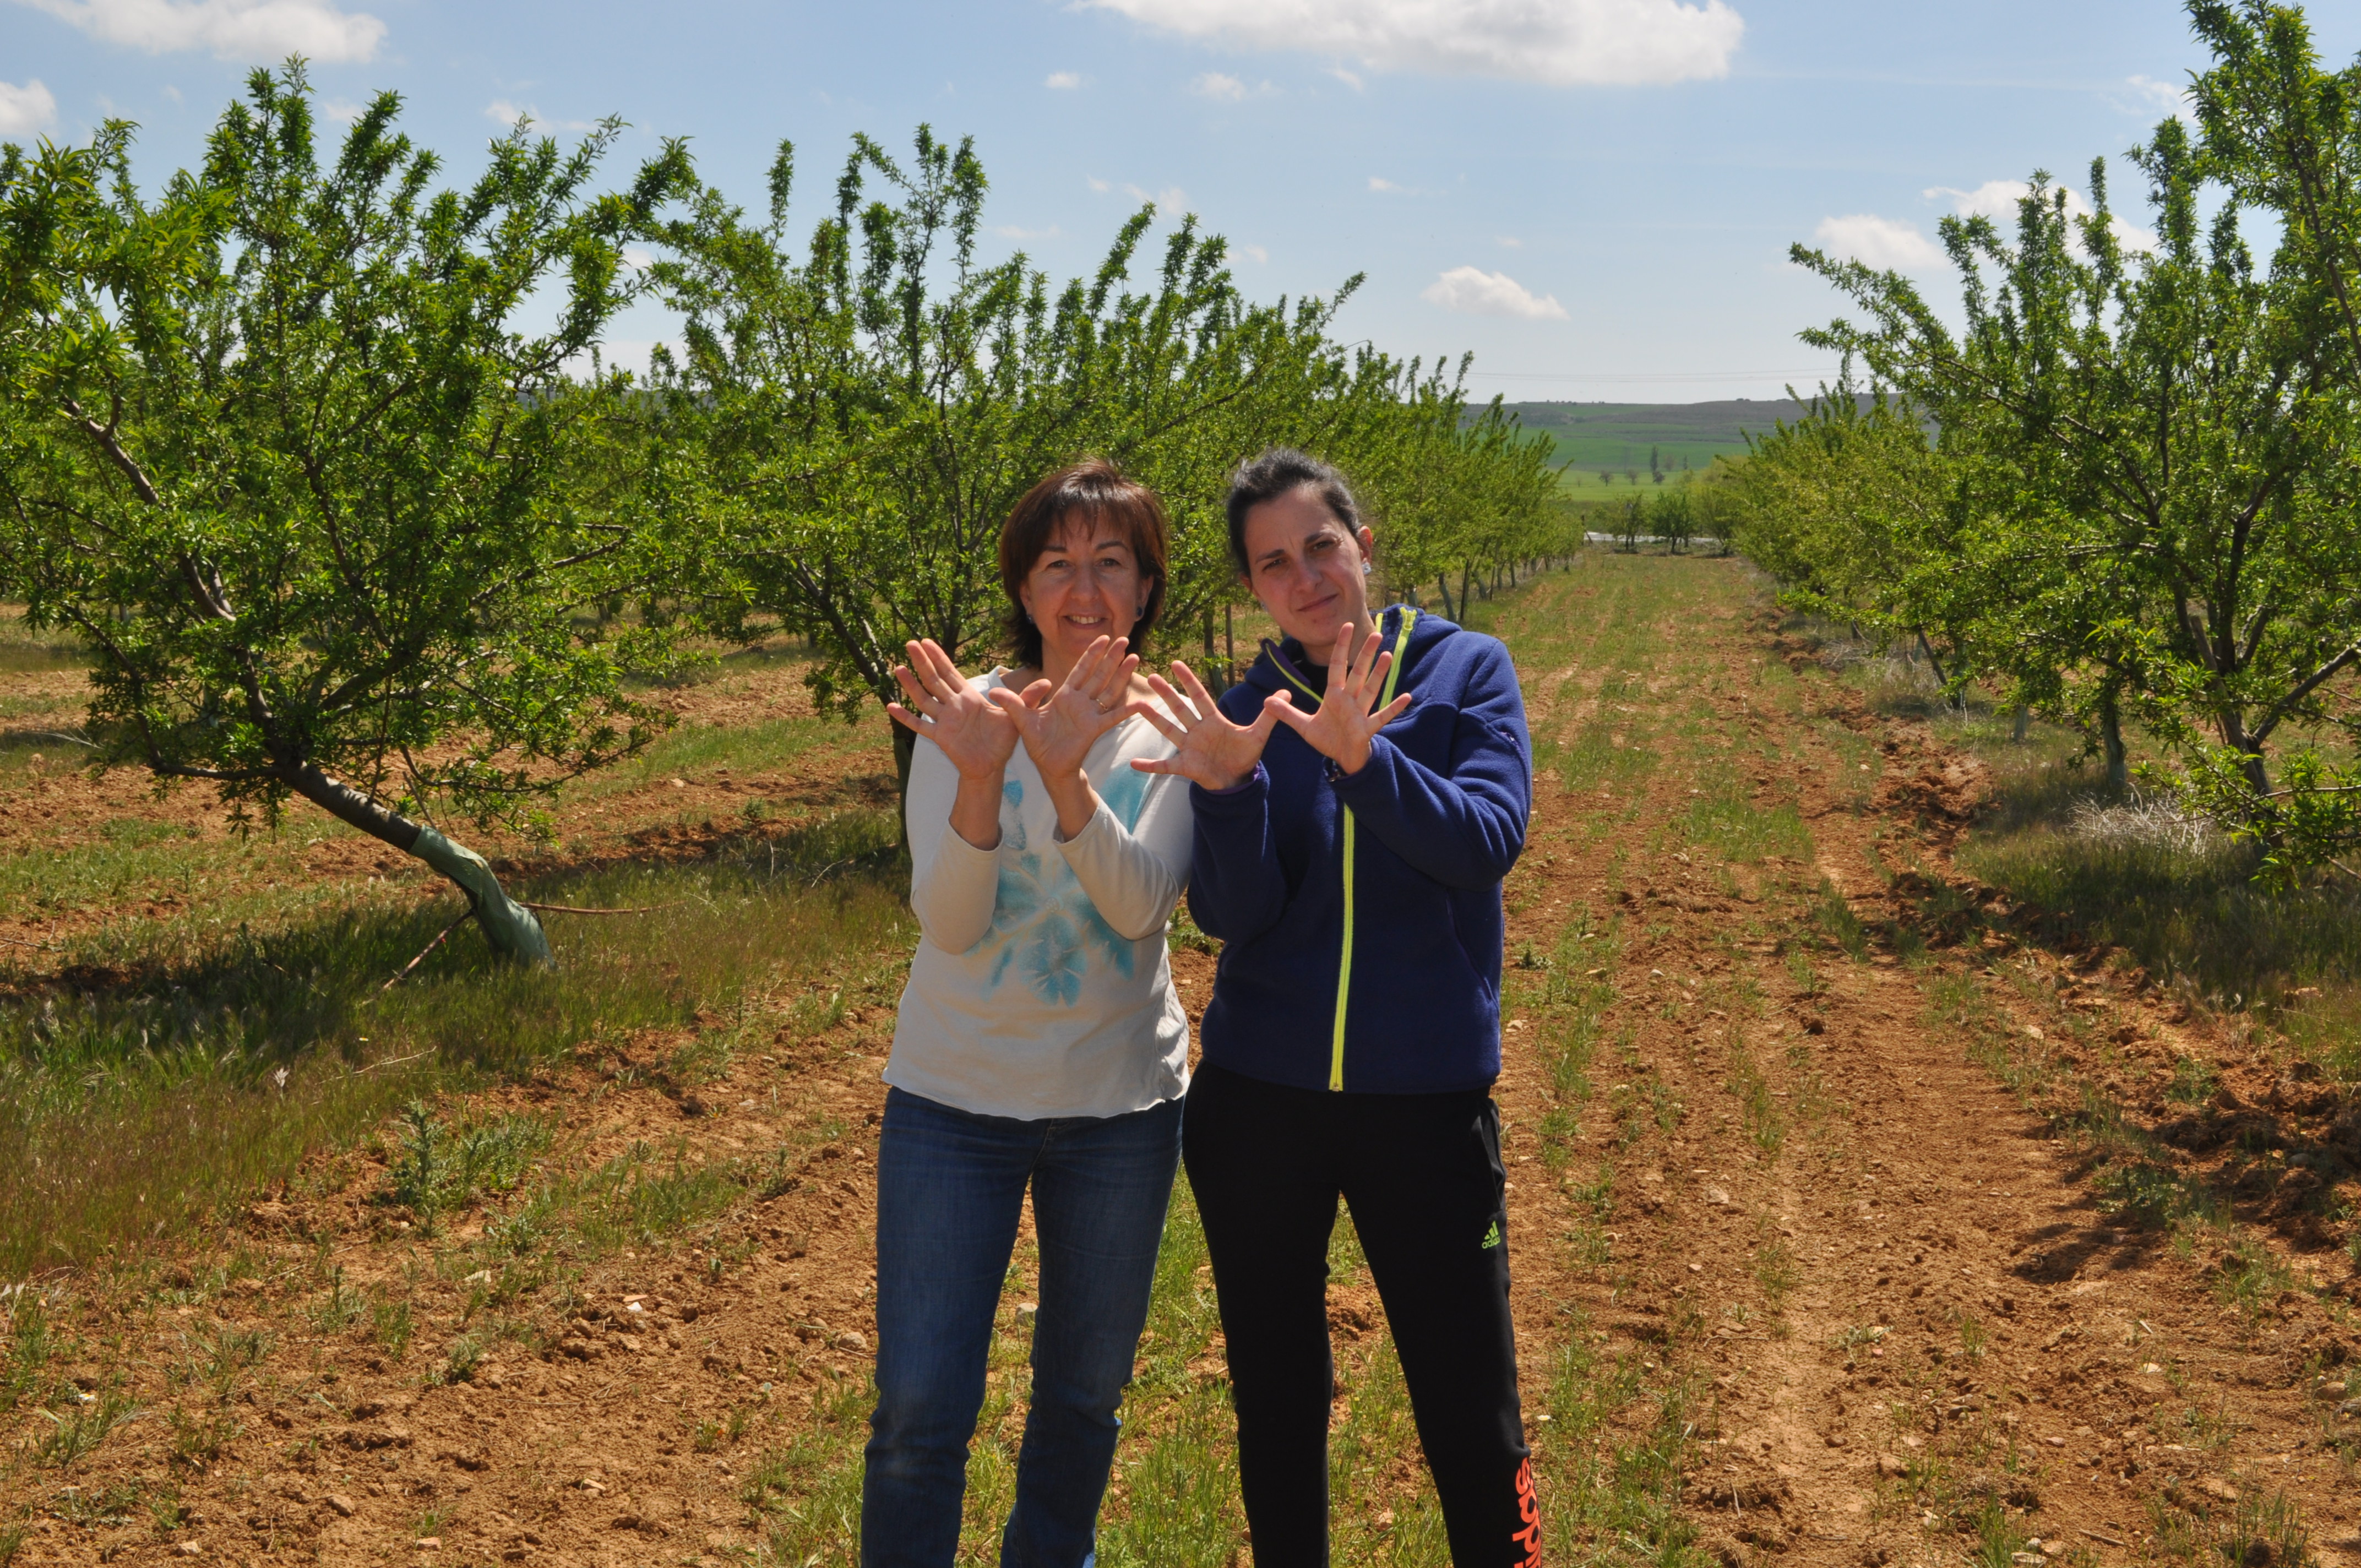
column 1341, row 728
column 974, row 734
column 1208, row 750
column 1059, row 724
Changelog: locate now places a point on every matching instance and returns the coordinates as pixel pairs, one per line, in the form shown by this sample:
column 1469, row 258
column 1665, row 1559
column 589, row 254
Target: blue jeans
column 951, row 1186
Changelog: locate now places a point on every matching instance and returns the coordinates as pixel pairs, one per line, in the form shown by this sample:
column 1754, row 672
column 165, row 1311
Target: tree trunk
column 1442, row 586
column 1932, row 663
column 508, row 925
column 2111, row 742
column 905, row 748
column 2024, row 714
column 2258, row 777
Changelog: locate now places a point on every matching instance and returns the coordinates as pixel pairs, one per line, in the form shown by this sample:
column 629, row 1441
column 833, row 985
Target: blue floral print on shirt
column 1043, row 925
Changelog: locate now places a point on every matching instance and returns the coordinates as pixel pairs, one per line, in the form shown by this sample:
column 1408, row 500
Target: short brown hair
column 1097, row 489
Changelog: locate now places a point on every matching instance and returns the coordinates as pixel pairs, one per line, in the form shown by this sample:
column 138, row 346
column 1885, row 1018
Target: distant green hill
column 1617, row 438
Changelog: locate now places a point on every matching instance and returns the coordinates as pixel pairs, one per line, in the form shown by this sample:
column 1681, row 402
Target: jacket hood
column 1266, row 675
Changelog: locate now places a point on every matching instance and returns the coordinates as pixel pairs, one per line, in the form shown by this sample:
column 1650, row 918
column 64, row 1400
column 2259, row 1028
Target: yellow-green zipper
column 1345, row 963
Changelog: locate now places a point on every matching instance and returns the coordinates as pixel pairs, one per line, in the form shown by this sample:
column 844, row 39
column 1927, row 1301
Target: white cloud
column 1010, row 231
column 24, row 110
column 1474, row 292
column 344, row 111
column 1256, row 253
column 1998, row 199
column 1344, row 76
column 1558, row 42
column 234, row 29
column 2149, row 94
column 1508, row 242
column 1063, row 81
column 1376, row 183
column 1228, row 89
column 1888, row 244
column 1171, row 199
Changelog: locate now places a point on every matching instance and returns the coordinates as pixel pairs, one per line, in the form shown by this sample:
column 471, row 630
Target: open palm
column 1059, row 724
column 1343, row 724
column 974, row 733
column 1207, row 748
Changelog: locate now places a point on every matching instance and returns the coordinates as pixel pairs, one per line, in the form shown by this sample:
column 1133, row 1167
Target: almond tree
column 866, row 412
column 2151, row 450
column 276, row 447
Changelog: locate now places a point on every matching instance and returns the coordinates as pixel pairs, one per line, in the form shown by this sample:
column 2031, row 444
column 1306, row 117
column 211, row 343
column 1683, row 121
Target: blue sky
column 1596, row 196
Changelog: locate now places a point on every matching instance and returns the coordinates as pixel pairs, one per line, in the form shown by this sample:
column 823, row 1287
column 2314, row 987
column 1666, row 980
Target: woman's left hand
column 1341, row 727
column 1059, row 725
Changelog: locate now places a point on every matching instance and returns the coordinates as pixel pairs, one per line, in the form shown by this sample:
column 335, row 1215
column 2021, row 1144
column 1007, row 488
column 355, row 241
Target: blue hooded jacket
column 1360, row 914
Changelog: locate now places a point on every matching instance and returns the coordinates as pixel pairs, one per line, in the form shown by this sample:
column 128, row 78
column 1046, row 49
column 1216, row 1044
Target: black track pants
column 1422, row 1175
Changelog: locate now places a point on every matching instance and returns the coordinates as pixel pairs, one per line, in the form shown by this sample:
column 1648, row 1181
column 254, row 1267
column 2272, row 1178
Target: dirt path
column 1922, row 1334
column 1808, row 1268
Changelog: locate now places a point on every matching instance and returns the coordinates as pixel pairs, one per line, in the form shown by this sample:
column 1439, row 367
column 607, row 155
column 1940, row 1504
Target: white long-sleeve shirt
column 1042, row 985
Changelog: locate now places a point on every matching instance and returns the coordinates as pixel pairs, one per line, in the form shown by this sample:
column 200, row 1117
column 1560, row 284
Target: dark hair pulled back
column 1278, row 471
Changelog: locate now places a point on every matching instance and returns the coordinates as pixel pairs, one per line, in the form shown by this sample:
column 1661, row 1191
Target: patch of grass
column 2260, row 1528
column 172, row 1076
column 1731, row 823
column 467, row 1353
column 1180, row 1496
column 2249, row 1277
column 29, row 1342
column 2193, row 1083
column 24, row 651
column 441, row 1168
column 341, row 1308
column 638, row 1196
column 807, row 1494
column 73, row 1435
column 1776, row 1271
column 1999, row 1540
column 1765, row 1122
column 200, row 1440
column 1838, row 925
column 390, row 1326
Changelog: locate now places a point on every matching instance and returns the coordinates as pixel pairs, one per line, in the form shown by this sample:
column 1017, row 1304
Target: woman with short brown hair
column 1039, row 1043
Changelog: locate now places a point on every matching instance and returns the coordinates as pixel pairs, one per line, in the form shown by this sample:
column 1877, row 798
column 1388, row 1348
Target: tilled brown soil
column 1908, row 1315
column 2103, row 1373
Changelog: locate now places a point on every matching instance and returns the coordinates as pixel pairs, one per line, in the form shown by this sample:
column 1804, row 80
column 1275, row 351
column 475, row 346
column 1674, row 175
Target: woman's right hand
column 1208, row 750
column 975, row 735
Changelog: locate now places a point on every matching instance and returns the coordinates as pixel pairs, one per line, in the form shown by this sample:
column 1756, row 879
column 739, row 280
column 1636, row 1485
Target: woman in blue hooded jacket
column 1358, row 797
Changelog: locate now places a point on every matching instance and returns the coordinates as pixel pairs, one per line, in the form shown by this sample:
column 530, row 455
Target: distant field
column 1617, row 438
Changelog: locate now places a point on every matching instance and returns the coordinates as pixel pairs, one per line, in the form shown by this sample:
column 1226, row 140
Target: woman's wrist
column 1072, row 800
column 975, row 810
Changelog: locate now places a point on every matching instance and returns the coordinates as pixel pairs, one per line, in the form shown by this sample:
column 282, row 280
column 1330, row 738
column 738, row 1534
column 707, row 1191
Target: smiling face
column 1307, row 569
column 1086, row 584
